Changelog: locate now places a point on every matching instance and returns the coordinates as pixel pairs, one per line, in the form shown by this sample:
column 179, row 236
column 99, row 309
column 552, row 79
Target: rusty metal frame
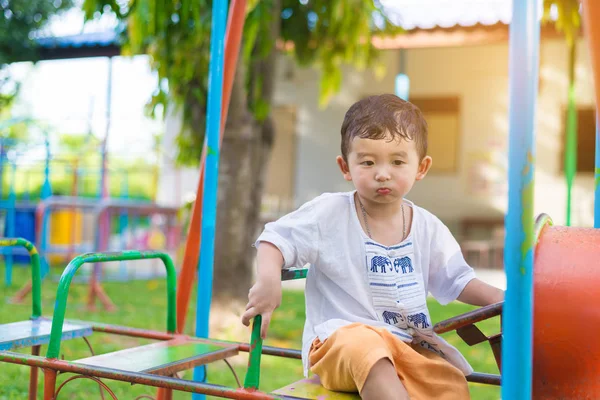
column 53, row 366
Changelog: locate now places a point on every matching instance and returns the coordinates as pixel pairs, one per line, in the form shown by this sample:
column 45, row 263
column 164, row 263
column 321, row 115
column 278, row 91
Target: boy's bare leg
column 383, row 383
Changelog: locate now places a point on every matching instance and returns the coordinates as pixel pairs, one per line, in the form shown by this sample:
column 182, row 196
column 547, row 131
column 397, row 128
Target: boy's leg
column 357, row 354
column 383, row 383
column 345, row 361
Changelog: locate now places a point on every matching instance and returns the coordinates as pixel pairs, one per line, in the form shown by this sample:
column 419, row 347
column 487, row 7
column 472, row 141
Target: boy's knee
column 347, row 357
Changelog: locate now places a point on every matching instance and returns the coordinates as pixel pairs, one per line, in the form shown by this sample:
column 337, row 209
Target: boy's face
column 383, row 171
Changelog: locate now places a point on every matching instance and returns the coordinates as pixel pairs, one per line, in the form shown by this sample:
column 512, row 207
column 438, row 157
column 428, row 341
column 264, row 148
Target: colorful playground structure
column 72, row 223
column 547, row 329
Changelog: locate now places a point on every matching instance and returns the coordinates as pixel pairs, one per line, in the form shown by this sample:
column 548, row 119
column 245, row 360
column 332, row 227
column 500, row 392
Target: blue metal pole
column 47, row 187
column 518, row 309
column 10, row 221
column 597, row 174
column 209, row 202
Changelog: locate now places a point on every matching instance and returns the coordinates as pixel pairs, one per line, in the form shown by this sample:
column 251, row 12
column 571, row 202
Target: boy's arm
column 479, row 293
column 265, row 296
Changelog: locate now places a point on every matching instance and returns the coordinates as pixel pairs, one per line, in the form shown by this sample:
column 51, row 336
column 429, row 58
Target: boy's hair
column 377, row 116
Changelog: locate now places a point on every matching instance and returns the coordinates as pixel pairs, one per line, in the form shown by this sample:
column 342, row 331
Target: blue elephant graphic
column 391, row 317
column 380, row 261
column 403, row 263
column 418, row 319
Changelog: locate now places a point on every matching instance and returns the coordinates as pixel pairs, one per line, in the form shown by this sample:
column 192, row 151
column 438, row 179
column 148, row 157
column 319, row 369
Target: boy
column 374, row 255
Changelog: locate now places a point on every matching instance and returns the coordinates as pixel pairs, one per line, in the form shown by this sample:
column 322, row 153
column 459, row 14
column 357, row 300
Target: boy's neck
column 379, row 211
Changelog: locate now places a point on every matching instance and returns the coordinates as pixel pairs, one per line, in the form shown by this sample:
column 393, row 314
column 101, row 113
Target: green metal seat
column 163, row 358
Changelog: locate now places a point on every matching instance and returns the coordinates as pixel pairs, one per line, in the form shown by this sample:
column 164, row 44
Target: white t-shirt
column 352, row 278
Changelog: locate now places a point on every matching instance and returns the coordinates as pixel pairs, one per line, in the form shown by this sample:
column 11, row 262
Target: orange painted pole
column 187, row 275
column 591, row 15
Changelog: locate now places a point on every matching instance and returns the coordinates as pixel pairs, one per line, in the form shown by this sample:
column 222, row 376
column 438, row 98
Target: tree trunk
column 244, row 155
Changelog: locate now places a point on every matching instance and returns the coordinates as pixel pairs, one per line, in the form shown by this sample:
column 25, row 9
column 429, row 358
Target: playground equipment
column 154, row 364
column 35, row 331
column 26, row 164
column 100, row 212
column 15, row 213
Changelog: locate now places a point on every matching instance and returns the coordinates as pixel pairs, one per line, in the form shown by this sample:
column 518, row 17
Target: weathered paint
column 233, row 38
column 36, row 272
column 211, row 176
column 51, row 366
column 527, row 245
column 36, row 332
column 517, row 328
column 468, row 318
column 565, row 340
column 33, row 375
column 77, row 262
column 252, row 380
column 157, row 335
column 92, row 378
column 164, row 358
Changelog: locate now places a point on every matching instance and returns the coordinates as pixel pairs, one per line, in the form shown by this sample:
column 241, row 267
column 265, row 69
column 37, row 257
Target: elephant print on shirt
column 417, row 319
column 403, row 263
column 380, row 261
column 391, row 317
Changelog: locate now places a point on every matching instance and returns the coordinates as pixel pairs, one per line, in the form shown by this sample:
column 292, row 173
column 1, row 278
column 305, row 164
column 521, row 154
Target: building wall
column 478, row 75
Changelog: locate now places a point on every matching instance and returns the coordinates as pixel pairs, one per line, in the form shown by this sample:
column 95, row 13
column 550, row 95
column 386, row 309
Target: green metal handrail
column 66, row 277
column 252, row 379
column 36, row 272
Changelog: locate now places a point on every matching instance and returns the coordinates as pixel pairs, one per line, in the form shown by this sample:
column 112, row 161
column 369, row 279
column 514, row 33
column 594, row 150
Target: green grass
column 142, row 304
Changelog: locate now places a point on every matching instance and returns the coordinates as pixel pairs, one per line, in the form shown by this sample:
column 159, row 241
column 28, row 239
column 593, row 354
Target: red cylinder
column 566, row 354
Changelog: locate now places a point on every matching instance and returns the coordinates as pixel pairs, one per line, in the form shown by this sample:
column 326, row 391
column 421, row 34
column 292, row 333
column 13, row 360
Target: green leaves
column 176, row 36
column 332, row 33
column 19, row 20
column 568, row 21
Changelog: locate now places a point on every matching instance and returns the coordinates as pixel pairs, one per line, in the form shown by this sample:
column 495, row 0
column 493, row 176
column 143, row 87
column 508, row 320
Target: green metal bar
column 252, row 379
column 36, row 272
column 291, row 274
column 65, row 281
column 571, row 133
column 253, row 373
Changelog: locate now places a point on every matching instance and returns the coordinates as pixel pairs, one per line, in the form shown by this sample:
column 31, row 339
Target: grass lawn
column 142, row 304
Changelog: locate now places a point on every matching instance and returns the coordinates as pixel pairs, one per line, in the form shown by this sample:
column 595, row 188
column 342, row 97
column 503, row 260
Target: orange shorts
column 344, row 360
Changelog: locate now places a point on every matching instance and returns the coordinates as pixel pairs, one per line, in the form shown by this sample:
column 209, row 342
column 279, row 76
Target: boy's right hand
column 264, row 297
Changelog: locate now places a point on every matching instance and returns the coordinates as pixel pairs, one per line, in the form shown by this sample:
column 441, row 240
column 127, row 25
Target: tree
column 175, row 34
column 19, row 21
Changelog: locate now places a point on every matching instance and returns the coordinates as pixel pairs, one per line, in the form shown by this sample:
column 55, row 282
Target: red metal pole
column 33, row 377
column 49, row 384
column 187, row 275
